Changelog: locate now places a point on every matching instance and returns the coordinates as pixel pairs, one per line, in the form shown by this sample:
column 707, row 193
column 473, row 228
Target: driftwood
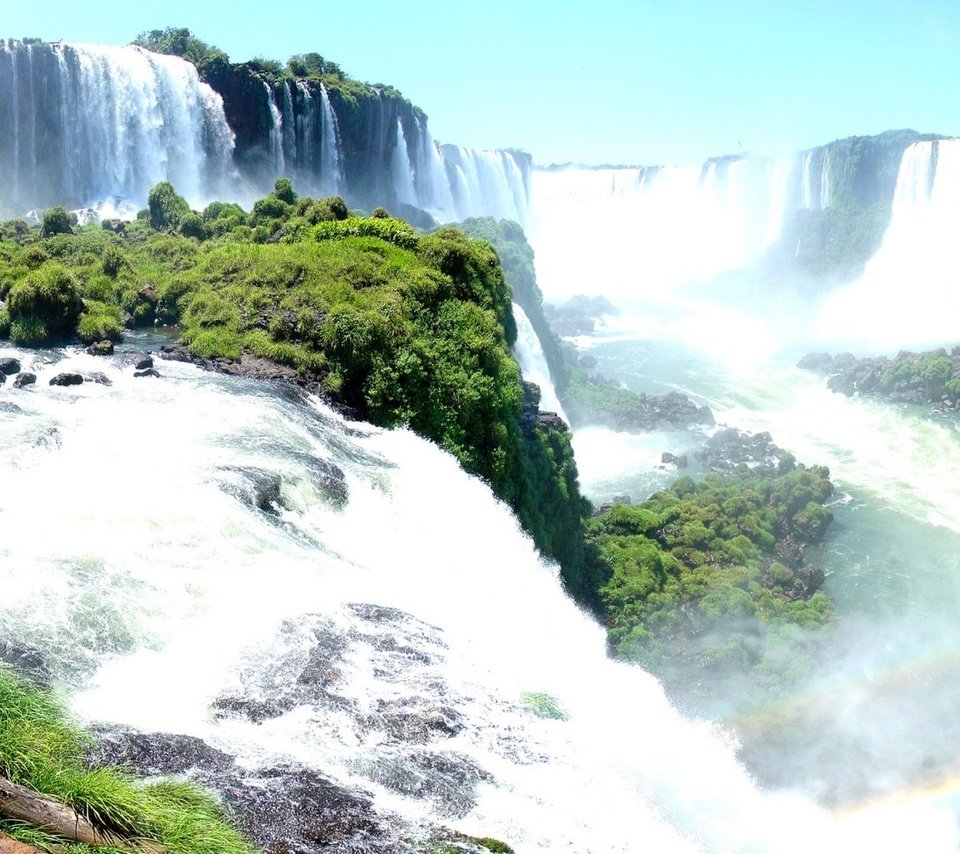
column 22, row 804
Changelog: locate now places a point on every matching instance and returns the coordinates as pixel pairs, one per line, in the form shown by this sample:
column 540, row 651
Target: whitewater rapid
column 153, row 591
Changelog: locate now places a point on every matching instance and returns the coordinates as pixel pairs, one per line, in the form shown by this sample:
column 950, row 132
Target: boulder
column 672, row 460
column 101, row 348
column 99, row 379
column 149, row 372
column 67, row 379
column 9, row 366
column 24, row 379
column 144, row 363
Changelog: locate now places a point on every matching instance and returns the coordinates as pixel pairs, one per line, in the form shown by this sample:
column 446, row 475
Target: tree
column 166, row 207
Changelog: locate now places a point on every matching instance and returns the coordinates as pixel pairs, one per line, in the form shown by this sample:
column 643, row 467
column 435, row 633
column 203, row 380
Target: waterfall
column 86, row 122
column 277, row 160
column 486, row 183
column 907, row 292
column 179, row 595
column 401, row 170
column 330, row 166
column 533, row 363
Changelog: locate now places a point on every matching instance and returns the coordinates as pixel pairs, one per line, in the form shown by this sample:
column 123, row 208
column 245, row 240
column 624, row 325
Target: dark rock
column 67, row 379
column 251, row 709
column 552, row 421
column 9, row 366
column 156, row 753
column 669, row 459
column 257, row 487
column 149, row 372
column 3, row 379
column 144, row 363
column 99, row 379
column 729, row 448
column 24, row 379
column 101, row 348
column 26, row 662
column 299, row 811
column 129, row 321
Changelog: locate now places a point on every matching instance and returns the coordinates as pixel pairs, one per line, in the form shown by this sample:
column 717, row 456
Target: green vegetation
column 516, row 257
column 58, row 220
column 406, row 329
column 705, row 577
column 543, row 706
column 39, row 749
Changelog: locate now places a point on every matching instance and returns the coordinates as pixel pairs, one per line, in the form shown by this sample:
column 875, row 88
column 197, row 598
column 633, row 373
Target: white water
column 172, row 593
column 402, row 170
column 86, row 122
column 330, row 166
column 533, row 363
column 907, row 293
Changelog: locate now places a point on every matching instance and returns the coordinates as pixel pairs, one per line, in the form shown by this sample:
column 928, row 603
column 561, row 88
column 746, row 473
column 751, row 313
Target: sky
column 605, row 81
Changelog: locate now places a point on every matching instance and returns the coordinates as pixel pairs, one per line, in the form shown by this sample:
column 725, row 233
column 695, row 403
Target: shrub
column 166, row 207
column 48, row 295
column 283, row 190
column 57, row 220
column 192, row 226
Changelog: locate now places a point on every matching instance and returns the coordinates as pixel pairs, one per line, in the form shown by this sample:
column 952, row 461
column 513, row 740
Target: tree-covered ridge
column 706, row 577
column 404, row 328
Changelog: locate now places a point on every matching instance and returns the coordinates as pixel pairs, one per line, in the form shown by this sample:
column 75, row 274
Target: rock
column 551, row 421
column 3, row 379
column 818, row 363
column 9, row 366
column 669, row 459
column 25, row 661
column 24, row 379
column 149, row 372
column 729, row 448
column 101, row 348
column 156, row 753
column 588, row 362
column 99, row 379
column 67, row 379
column 129, row 321
column 144, row 363
column 258, row 488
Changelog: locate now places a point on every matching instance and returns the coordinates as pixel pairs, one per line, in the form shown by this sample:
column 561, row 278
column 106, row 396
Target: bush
column 49, row 295
column 192, row 226
column 4, row 323
column 166, row 207
column 57, row 220
column 283, row 190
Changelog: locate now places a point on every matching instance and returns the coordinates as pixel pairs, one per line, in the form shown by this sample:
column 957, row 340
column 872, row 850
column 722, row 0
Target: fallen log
column 22, row 804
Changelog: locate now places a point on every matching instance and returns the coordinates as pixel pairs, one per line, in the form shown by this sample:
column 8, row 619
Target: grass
column 41, row 750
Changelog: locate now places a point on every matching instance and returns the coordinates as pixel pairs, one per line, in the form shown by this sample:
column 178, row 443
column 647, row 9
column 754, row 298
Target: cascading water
column 88, row 122
column 330, row 166
column 907, row 292
column 875, row 720
column 277, row 136
column 401, row 170
column 533, row 363
column 180, row 594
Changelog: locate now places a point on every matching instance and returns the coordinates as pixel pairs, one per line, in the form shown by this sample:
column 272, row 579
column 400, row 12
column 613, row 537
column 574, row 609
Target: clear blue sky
column 601, row 81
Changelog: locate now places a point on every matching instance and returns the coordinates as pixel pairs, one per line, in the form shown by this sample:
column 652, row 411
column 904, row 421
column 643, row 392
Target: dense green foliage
column 516, row 257
column 39, row 749
column 58, row 220
column 404, row 328
column 695, row 578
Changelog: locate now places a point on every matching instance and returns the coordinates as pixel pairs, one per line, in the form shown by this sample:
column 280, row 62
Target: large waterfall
column 908, row 291
column 83, row 123
column 169, row 598
column 659, row 227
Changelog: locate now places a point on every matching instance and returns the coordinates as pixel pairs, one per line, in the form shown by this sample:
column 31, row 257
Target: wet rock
column 25, row 661
column 820, row 363
column 9, row 366
column 24, row 379
column 99, row 378
column 101, row 348
column 413, row 721
column 144, row 363
column 156, row 753
column 256, row 487
column 67, row 379
column 551, row 421
column 252, row 709
column 149, row 372
column 448, row 780
column 669, row 459
column 299, row 811
column 729, row 448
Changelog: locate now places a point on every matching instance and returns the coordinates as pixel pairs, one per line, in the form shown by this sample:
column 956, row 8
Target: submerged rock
column 156, row 753
column 25, row 661
column 148, row 372
column 101, row 348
